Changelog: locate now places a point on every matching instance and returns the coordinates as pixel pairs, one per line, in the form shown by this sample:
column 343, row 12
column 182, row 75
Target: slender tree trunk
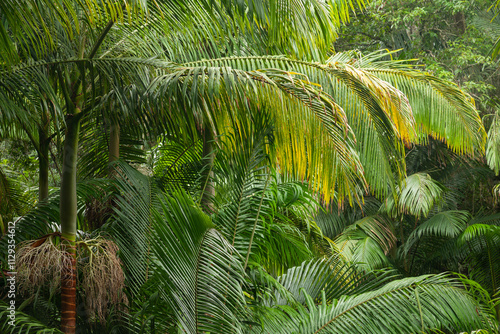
column 114, row 142
column 208, row 156
column 43, row 167
column 114, row 145
column 43, row 158
column 68, row 215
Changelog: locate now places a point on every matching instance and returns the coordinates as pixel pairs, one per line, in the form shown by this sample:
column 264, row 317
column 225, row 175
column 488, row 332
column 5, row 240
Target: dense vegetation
column 264, row 166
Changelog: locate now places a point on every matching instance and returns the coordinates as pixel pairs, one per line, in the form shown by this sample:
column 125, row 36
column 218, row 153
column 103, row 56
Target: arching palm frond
column 131, row 225
column 312, row 24
column 195, row 271
column 415, row 304
column 362, row 250
column 333, row 220
column 458, row 124
column 417, row 196
column 446, row 224
column 177, row 165
column 14, row 201
column 248, row 214
column 481, row 239
column 44, row 218
column 243, row 175
column 328, row 280
column 377, row 113
column 493, row 144
column 23, row 323
column 368, row 241
column 94, row 146
column 291, row 100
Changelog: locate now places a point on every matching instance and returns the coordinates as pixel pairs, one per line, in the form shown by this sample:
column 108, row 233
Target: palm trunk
column 43, row 173
column 68, row 215
column 43, row 164
column 114, row 145
column 208, row 157
column 114, row 142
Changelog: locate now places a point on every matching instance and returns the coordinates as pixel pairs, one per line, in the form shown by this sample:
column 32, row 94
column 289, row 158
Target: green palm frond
column 217, row 25
column 417, row 196
column 376, row 227
column 493, row 144
column 446, row 224
column 195, row 272
column 367, row 241
column 131, row 226
column 333, row 220
column 416, row 304
column 327, row 280
column 458, row 123
column 479, row 230
column 244, row 174
column 483, row 242
column 177, row 164
column 377, row 113
column 23, row 323
column 250, row 202
column 362, row 250
column 14, row 201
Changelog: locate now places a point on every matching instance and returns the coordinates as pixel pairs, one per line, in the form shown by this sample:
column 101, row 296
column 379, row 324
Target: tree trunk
column 43, row 160
column 114, row 145
column 208, row 156
column 43, row 172
column 68, row 215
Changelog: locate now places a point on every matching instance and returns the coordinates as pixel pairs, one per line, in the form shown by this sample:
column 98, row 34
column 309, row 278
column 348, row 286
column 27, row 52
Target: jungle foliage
column 264, row 166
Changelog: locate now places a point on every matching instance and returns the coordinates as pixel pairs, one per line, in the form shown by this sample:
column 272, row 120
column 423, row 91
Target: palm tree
column 206, row 261
column 208, row 95
column 71, row 75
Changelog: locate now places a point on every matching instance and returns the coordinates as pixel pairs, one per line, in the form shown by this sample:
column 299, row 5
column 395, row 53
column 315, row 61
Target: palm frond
column 195, row 272
column 362, row 250
column 377, row 113
column 417, row 196
column 416, row 304
column 458, row 123
column 327, row 280
column 333, row 220
column 16, row 322
column 131, row 226
column 447, row 224
column 493, row 144
column 176, row 164
column 13, row 199
column 249, row 200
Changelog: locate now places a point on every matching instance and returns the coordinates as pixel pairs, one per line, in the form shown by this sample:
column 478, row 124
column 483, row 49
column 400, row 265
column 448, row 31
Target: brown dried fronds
column 102, row 277
column 39, row 263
